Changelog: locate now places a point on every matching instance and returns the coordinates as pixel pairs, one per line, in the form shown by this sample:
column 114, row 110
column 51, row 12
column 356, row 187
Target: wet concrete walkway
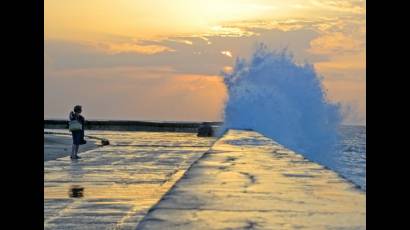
column 112, row 187
column 57, row 146
column 247, row 181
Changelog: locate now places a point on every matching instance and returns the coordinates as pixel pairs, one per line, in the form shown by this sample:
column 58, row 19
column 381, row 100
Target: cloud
column 194, row 55
column 134, row 93
column 226, row 53
column 351, row 6
column 335, row 44
column 135, row 72
column 115, row 48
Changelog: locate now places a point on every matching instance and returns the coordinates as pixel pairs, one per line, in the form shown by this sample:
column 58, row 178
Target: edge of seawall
column 128, row 125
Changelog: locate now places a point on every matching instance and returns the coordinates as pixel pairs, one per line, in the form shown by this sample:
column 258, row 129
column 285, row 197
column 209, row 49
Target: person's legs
column 76, row 143
column 74, row 151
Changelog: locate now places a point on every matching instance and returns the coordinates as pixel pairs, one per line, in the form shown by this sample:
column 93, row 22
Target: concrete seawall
column 248, row 181
column 123, row 125
column 169, row 180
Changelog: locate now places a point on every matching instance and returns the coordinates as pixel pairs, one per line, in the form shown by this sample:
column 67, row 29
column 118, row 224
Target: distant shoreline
column 161, row 121
column 148, row 126
column 127, row 125
column 130, row 120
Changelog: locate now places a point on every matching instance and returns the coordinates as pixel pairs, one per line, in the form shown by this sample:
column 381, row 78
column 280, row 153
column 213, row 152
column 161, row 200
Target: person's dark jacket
column 80, row 133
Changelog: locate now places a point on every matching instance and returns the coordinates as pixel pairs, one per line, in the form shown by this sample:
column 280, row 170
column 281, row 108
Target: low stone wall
column 132, row 125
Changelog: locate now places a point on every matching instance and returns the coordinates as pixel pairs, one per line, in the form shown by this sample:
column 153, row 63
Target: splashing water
column 285, row 101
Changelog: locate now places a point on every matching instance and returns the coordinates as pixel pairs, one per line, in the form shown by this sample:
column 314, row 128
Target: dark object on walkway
column 76, row 191
column 105, row 142
column 76, row 157
column 205, row 130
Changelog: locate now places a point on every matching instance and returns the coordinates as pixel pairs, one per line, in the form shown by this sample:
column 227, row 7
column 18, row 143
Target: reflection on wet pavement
column 76, row 191
column 112, row 187
column 247, row 181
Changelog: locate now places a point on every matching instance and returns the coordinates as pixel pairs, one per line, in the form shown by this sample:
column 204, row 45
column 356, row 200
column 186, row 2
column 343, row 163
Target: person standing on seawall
column 77, row 130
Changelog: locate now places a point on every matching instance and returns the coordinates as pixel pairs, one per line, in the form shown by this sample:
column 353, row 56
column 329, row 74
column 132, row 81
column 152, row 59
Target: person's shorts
column 77, row 137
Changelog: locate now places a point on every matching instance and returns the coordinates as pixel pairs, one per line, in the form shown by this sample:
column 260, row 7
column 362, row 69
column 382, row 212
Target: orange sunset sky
column 161, row 60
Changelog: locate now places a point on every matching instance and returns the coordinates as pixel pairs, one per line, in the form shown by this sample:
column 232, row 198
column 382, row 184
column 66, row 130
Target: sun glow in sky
column 92, row 19
column 129, row 53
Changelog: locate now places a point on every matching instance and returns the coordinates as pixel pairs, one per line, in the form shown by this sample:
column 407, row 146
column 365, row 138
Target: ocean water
column 351, row 154
column 286, row 101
